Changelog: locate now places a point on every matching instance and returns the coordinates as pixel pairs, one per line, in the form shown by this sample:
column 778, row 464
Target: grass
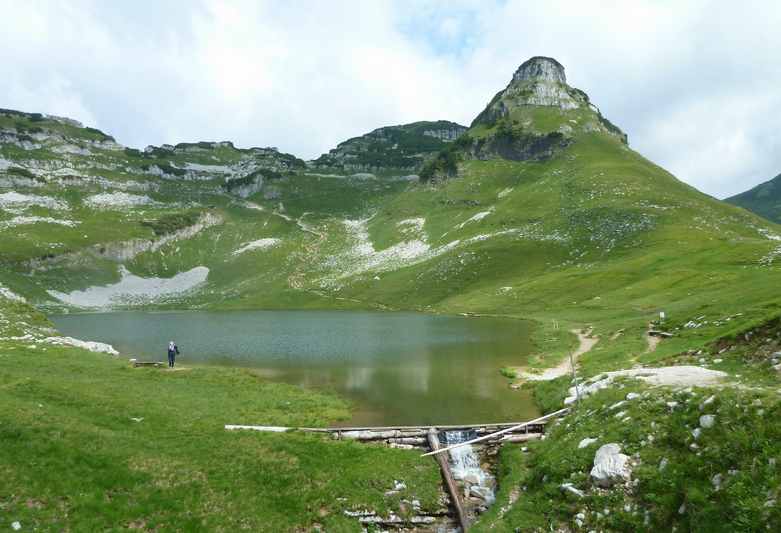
column 74, row 457
column 741, row 450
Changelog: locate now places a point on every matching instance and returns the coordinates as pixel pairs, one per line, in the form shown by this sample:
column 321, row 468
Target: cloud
column 693, row 83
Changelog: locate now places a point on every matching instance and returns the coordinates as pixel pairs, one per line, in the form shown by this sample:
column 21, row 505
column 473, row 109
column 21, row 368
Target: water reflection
column 397, row 368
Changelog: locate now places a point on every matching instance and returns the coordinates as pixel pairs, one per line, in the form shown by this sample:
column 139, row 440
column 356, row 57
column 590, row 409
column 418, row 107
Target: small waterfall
column 465, row 466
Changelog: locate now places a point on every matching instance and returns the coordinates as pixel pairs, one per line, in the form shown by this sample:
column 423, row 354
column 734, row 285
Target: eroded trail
column 586, row 343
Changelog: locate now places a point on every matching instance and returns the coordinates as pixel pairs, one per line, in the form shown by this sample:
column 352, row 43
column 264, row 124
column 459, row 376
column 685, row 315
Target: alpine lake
column 394, row 368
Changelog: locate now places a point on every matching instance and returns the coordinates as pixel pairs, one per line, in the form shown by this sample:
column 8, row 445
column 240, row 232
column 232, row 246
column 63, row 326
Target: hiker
column 173, row 351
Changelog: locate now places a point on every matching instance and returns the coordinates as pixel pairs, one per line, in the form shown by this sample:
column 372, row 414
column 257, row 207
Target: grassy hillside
column 90, row 443
column 764, row 199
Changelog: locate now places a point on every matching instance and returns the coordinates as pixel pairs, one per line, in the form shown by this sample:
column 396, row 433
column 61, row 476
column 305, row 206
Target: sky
column 695, row 84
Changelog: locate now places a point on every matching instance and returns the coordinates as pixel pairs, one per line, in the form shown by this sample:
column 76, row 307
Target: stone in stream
column 610, row 466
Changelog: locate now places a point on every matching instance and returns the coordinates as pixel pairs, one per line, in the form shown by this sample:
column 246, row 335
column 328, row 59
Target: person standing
column 173, row 351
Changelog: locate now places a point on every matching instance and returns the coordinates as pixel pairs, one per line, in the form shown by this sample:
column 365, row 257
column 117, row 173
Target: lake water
column 395, row 368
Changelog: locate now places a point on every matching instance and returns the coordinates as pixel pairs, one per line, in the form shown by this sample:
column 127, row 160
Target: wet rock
column 610, row 466
column 484, row 493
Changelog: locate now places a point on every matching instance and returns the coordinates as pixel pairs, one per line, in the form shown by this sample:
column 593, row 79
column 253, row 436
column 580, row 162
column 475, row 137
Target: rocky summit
column 540, row 69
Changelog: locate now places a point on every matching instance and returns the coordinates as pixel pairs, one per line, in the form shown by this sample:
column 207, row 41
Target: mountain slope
column 764, row 199
column 540, row 209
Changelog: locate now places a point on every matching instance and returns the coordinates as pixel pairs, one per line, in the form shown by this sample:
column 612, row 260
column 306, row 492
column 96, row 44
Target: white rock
column 260, row 244
column 610, row 466
column 707, row 421
column 588, row 441
column 632, row 396
column 117, row 199
column 709, row 400
column 717, row 481
column 569, row 487
column 696, row 433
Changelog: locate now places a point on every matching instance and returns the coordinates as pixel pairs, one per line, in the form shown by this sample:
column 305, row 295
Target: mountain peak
column 540, row 68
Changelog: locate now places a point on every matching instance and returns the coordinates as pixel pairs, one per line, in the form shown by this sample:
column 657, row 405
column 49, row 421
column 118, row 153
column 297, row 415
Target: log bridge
column 410, row 437
column 427, row 437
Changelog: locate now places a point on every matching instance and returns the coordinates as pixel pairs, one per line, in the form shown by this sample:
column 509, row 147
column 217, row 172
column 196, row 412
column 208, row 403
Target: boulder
column 707, row 421
column 610, row 466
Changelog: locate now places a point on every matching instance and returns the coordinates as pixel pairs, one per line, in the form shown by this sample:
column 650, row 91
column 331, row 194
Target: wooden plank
column 450, row 483
column 498, row 433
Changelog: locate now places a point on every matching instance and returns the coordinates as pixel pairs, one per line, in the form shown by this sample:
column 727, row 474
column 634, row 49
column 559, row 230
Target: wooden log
column 523, row 437
column 408, row 440
column 433, row 440
column 156, row 364
column 380, row 435
column 270, row 429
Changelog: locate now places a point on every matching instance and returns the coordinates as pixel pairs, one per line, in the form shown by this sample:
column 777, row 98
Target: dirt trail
column 653, row 343
column 587, row 342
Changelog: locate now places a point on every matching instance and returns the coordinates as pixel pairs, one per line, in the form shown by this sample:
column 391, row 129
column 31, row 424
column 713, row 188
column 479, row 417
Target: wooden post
column 452, row 488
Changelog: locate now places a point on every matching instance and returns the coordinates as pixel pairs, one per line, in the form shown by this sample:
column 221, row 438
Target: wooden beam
column 498, row 433
column 452, row 488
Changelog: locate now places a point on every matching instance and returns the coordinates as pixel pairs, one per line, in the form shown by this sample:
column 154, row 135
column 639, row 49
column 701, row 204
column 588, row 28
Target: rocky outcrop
column 399, row 149
column 542, row 69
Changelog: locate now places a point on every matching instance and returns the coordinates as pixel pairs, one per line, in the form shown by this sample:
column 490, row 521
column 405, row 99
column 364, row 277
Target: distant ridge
column 764, row 199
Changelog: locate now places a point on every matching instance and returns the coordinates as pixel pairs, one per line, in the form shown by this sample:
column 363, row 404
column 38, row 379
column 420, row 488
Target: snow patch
column 260, row 244
column 132, row 289
column 97, row 347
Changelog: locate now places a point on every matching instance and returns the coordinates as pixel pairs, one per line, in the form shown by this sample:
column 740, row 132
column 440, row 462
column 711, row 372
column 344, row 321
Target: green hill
column 764, row 199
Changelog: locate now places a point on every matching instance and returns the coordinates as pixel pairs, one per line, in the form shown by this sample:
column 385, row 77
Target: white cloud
column 693, row 83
